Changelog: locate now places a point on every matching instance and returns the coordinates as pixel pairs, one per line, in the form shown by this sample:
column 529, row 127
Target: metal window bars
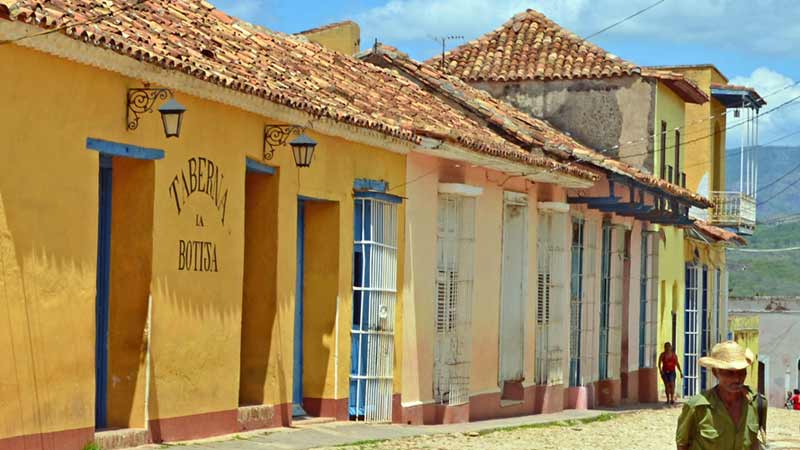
column 605, row 301
column 691, row 332
column 552, row 296
column 591, row 290
column 651, row 349
column 455, row 243
column 374, row 298
column 576, row 301
column 615, row 303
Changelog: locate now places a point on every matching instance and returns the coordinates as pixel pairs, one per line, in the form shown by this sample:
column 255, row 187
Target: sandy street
column 637, row 430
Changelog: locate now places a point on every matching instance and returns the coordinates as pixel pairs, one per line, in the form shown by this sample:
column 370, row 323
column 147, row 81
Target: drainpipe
column 147, row 332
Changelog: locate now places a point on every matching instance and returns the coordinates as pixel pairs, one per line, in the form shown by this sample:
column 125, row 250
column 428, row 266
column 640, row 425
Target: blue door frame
column 297, row 377
column 102, row 292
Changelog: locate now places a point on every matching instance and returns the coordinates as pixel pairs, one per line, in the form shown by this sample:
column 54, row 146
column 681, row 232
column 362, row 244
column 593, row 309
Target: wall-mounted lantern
column 302, row 146
column 142, row 100
column 172, row 117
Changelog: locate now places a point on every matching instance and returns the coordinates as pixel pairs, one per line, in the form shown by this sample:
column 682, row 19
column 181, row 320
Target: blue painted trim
column 102, row 290
column 127, row 150
column 379, row 196
column 364, row 184
column 297, row 369
column 253, row 166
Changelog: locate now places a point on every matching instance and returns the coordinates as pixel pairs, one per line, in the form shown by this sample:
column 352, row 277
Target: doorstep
column 122, row 438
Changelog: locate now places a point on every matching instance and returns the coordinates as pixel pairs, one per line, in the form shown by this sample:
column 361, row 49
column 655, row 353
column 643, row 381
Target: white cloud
column 782, row 121
column 765, row 26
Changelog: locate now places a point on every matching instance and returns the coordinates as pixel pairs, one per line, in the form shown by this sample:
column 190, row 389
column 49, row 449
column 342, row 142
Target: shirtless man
column 667, row 362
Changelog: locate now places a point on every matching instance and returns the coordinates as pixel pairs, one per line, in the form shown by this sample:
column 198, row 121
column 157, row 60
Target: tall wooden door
column 514, row 288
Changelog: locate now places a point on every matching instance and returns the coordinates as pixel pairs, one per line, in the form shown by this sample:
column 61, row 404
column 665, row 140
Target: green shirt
column 704, row 424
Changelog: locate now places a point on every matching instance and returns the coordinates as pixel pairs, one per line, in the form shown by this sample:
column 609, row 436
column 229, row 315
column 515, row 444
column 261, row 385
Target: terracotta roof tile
column 718, row 234
column 192, row 37
column 518, row 126
column 532, row 47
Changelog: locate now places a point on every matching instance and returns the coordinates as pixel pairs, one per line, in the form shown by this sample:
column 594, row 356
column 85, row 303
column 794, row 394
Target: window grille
column 591, row 291
column 453, row 299
column 551, row 294
column 618, row 256
column 651, row 348
column 691, row 331
column 374, row 298
column 648, row 301
column 576, row 302
column 705, row 322
column 643, row 294
column 605, row 301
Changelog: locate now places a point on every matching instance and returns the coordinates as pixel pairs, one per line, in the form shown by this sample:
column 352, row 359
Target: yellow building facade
column 202, row 254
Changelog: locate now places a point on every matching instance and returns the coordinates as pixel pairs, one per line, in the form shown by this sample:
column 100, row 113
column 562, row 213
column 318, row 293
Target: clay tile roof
column 518, row 126
column 193, row 37
column 736, row 87
column 718, row 234
column 532, row 47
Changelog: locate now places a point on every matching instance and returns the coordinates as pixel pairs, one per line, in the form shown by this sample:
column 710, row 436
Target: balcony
column 734, row 210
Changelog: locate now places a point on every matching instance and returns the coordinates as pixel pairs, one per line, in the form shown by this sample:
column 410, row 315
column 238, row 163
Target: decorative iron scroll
column 276, row 136
column 141, row 101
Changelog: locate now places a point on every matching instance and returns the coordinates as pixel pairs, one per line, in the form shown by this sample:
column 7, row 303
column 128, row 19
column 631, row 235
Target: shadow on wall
column 46, row 338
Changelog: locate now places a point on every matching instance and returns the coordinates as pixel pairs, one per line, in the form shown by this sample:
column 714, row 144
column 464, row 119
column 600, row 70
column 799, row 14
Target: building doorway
column 514, row 290
column 316, row 306
column 122, row 303
column 374, row 300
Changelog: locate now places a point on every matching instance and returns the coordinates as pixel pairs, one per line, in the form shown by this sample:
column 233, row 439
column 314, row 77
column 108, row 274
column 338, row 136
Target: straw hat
column 728, row 355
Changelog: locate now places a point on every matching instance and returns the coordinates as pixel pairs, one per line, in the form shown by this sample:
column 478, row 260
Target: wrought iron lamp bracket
column 141, row 101
column 276, row 136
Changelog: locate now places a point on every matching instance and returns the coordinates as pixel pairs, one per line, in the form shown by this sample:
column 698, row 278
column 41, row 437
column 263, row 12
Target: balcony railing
column 734, row 210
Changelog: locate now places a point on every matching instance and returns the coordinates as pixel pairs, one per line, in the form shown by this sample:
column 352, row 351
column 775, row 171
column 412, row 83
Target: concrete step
column 121, row 438
column 308, row 421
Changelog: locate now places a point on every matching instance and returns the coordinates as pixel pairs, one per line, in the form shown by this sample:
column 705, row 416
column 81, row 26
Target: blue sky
column 753, row 42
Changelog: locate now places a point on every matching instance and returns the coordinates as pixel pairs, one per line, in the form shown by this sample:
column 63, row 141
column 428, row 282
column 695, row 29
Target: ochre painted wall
column 343, row 38
column 48, row 237
column 670, row 109
column 745, row 333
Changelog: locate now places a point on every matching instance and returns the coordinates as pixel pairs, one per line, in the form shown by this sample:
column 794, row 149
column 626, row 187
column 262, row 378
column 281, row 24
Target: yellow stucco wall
column 704, row 136
column 343, row 38
column 745, row 333
column 48, row 237
column 670, row 109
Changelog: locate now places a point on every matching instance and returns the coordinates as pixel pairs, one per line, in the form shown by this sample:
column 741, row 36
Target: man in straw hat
column 727, row 416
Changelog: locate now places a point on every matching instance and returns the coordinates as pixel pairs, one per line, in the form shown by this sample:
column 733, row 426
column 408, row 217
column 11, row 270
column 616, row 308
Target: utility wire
column 641, row 11
column 764, row 250
column 772, row 197
column 699, row 121
column 730, row 127
column 93, row 20
column 732, row 153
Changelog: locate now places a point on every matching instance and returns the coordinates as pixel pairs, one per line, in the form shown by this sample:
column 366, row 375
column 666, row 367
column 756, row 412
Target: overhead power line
column 765, row 250
column 637, row 13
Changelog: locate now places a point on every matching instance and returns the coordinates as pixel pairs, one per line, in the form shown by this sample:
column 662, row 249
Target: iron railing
column 734, row 210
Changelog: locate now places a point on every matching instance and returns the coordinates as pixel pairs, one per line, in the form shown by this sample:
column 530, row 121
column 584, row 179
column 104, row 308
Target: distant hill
column 769, row 273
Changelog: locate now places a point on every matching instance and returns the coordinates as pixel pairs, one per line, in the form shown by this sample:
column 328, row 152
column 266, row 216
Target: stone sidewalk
column 338, row 433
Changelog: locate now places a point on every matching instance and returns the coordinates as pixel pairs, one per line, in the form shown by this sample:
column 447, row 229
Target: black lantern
column 172, row 117
column 303, row 150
